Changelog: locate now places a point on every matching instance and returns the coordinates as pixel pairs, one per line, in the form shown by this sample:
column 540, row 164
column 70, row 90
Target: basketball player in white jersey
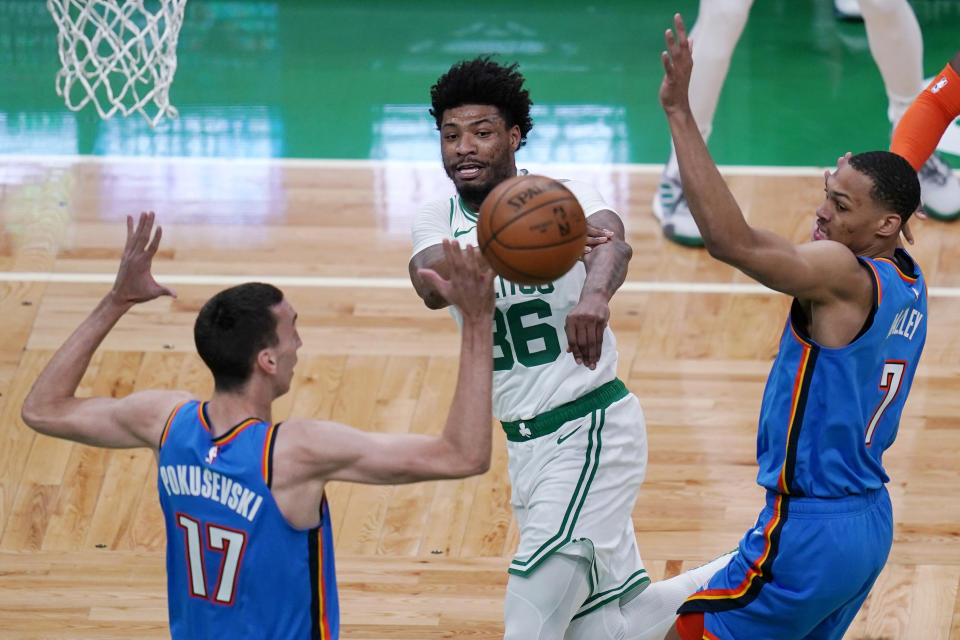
column 577, row 444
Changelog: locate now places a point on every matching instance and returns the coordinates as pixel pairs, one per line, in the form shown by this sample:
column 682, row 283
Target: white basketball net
column 119, row 54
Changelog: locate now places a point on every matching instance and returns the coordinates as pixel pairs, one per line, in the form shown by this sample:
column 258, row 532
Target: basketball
column 531, row 229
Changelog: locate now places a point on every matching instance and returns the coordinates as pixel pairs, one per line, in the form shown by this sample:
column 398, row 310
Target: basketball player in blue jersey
column 576, row 438
column 834, row 396
column 249, row 551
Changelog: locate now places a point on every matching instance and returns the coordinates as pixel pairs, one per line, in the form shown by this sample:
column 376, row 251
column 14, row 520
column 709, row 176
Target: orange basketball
column 531, row 229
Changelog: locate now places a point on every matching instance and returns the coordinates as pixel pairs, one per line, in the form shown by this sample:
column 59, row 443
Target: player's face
column 848, row 213
column 477, row 149
column 288, row 342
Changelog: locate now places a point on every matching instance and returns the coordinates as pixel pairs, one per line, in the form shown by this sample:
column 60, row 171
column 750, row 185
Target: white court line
column 321, row 282
column 552, row 168
column 321, row 163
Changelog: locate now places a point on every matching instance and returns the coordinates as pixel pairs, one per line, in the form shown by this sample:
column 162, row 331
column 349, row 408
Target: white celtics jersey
column 532, row 370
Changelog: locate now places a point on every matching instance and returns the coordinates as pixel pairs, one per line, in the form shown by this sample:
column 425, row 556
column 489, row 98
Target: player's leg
column 540, row 605
column 715, row 33
column 653, row 612
column 897, row 47
column 873, row 532
column 573, row 498
column 603, row 623
column 804, row 561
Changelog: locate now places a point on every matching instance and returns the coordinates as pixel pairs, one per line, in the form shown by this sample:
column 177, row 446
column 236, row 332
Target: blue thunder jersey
column 829, row 414
column 235, row 567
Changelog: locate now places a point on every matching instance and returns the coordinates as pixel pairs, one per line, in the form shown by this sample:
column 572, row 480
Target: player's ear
column 889, row 225
column 266, row 361
column 515, row 137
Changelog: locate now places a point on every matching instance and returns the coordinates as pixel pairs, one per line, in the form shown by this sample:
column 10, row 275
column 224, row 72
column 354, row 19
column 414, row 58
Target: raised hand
column 134, row 282
column 584, row 326
column 678, row 65
column 470, row 287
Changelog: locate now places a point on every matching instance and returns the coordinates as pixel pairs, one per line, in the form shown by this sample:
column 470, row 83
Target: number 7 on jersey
column 890, row 380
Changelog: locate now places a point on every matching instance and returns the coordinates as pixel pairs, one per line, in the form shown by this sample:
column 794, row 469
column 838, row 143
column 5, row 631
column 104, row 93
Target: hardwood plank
column 424, row 560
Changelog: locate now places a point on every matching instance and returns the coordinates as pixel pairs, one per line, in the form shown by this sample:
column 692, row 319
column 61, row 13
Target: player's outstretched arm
column 332, row 451
column 52, row 408
column 606, row 265
column 817, row 271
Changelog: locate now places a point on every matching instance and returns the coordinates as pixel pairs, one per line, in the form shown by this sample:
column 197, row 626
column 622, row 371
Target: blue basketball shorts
column 803, row 571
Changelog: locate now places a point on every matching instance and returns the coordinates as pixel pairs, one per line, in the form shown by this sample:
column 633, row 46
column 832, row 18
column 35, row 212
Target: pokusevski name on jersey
column 193, row 480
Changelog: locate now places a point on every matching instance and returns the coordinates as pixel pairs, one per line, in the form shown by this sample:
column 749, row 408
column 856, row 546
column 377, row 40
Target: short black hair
column 483, row 81
column 231, row 329
column 895, row 184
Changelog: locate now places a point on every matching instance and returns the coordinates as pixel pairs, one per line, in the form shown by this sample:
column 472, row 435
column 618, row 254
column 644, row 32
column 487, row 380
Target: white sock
column 651, row 614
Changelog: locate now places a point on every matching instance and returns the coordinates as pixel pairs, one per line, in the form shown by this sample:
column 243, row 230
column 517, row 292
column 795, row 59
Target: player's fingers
column 583, row 344
column 442, row 286
column 155, row 243
column 454, row 255
column 476, row 259
column 596, row 342
column 572, row 346
column 907, row 234
column 681, row 30
column 142, row 234
column 598, row 231
column 592, row 347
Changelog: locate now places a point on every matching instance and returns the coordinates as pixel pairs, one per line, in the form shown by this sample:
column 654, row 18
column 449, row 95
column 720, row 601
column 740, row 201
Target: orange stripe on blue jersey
column 323, row 622
column 903, row 276
column 325, row 605
column 876, row 279
column 794, row 405
column 166, row 427
column 268, row 454
column 759, row 569
column 202, row 415
column 709, row 636
column 235, row 431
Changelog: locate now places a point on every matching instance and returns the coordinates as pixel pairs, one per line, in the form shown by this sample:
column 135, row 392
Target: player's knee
column 522, row 619
column 541, row 605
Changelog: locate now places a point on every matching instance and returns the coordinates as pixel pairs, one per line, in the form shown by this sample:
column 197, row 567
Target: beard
column 474, row 192
column 471, row 193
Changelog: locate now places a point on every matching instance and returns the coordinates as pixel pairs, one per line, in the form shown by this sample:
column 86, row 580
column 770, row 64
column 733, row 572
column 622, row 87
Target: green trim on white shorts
column 597, row 600
column 564, row 535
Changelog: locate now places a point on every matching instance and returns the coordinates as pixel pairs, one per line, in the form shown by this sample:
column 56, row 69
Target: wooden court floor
column 81, row 533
